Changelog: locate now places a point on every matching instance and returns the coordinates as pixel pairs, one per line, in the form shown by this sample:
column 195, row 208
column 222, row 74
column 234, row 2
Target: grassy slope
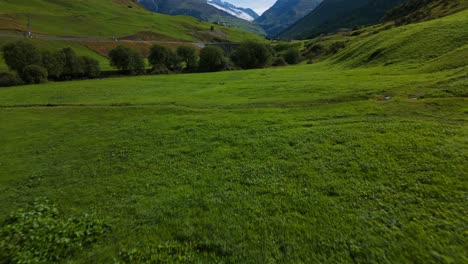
column 201, row 10
column 52, row 45
column 105, row 18
column 297, row 164
column 413, row 11
column 411, row 45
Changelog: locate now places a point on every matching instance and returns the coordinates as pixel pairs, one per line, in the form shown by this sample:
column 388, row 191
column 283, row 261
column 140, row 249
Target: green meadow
column 351, row 160
column 305, row 164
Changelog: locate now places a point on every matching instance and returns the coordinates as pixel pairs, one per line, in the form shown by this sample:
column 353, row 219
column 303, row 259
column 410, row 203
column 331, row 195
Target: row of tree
column 35, row 66
column 248, row 55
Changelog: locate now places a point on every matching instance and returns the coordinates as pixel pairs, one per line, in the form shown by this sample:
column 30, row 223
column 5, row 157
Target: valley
column 356, row 154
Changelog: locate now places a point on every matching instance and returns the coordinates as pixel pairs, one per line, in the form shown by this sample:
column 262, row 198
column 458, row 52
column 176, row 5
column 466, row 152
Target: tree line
column 249, row 55
column 31, row 65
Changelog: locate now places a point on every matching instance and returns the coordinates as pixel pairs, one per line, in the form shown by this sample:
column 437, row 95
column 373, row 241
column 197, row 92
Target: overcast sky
column 258, row 5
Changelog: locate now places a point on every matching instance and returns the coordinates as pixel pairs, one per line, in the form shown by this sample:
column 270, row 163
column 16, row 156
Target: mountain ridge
column 240, row 12
column 332, row 15
column 284, row 13
column 199, row 9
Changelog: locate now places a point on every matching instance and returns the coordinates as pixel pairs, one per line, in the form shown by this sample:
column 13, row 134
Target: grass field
column 322, row 163
column 309, row 163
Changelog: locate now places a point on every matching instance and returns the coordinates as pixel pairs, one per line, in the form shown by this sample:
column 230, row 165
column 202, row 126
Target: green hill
column 332, row 15
column 412, row 46
column 106, row 18
column 201, row 10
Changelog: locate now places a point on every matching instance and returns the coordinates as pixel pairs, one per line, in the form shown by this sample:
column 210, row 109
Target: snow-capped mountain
column 243, row 13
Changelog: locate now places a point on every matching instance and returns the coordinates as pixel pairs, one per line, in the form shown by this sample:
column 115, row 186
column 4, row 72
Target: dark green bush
column 211, row 59
column 20, row 54
column 279, row 48
column 137, row 62
column 34, row 74
column 315, row 50
column 120, row 58
column 161, row 55
column 251, row 54
column 189, row 57
column 91, row 68
column 127, row 60
column 72, row 64
column 279, row 62
column 292, row 56
column 160, row 69
column 54, row 62
column 40, row 234
column 9, row 79
column 337, row 46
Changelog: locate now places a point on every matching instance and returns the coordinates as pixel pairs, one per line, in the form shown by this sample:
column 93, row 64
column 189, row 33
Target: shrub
column 228, row 65
column 292, row 56
column 40, row 234
column 285, row 46
column 159, row 69
column 161, row 55
column 120, row 58
column 91, row 67
column 54, row 62
column 9, row 79
column 34, row 74
column 335, row 47
column 211, row 59
column 279, row 62
column 251, row 54
column 137, row 62
column 316, row 49
column 188, row 56
column 73, row 66
column 127, row 60
column 20, row 54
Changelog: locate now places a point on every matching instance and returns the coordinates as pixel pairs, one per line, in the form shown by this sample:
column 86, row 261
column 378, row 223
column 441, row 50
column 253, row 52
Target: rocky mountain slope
column 240, row 12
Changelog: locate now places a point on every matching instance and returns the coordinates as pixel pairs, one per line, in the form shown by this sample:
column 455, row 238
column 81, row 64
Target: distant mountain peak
column 240, row 12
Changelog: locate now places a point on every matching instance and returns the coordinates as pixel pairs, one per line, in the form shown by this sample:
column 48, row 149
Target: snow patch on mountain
column 243, row 13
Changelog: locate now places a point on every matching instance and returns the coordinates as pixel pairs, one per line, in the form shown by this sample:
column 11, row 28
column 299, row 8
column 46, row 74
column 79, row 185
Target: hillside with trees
column 187, row 150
